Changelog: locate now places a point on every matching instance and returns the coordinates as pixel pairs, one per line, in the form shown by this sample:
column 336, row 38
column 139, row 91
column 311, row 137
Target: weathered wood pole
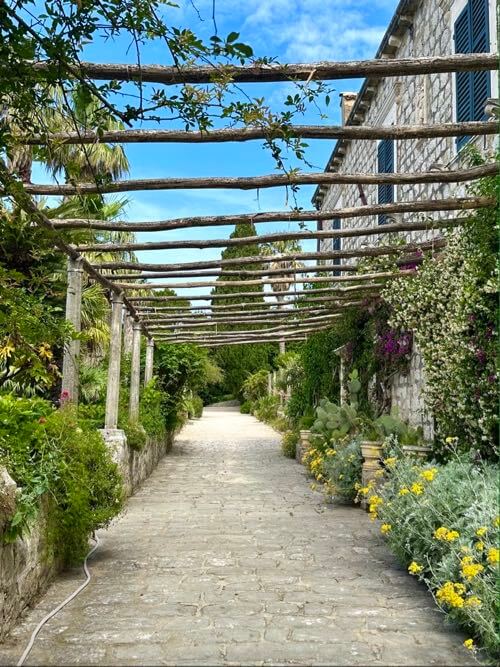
column 135, row 373
column 70, row 379
column 148, row 368
column 115, row 353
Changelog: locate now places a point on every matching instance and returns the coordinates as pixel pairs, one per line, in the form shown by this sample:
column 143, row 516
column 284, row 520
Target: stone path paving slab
column 226, row 557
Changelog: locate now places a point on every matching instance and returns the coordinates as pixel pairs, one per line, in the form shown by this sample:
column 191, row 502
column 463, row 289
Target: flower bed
column 442, row 522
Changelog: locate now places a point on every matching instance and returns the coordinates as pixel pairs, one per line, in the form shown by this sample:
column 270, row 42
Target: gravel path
column 225, row 556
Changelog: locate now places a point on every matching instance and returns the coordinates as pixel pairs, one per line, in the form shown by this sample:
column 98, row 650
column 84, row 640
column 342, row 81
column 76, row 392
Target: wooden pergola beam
column 187, row 326
column 351, row 232
column 351, row 132
column 256, row 295
column 234, row 341
column 266, row 181
column 409, row 248
column 254, row 334
column 250, row 282
column 263, row 308
column 427, row 206
column 306, row 268
column 270, row 73
column 231, row 318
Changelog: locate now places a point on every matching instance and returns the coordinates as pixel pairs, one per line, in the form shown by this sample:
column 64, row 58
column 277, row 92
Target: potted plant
column 413, row 443
column 305, row 436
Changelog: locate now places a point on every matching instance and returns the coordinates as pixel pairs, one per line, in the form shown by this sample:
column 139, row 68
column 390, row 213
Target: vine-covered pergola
column 161, row 318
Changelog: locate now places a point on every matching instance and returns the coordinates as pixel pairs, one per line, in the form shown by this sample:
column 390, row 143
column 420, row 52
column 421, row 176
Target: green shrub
column 441, row 521
column 50, row 454
column 255, row 386
column 136, row 435
column 289, row 443
column 197, row 404
column 246, row 408
column 152, row 411
column 342, row 470
column 266, row 408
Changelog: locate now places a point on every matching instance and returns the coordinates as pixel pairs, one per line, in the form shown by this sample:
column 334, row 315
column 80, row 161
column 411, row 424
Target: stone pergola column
column 135, row 373
column 115, row 353
column 70, row 378
column 148, row 368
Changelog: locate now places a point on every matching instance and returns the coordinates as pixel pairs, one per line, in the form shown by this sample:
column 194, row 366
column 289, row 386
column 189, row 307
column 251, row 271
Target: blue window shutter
column 471, row 35
column 481, row 81
column 385, row 166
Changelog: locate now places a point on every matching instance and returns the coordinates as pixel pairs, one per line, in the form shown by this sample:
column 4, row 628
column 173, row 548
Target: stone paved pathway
column 225, row 556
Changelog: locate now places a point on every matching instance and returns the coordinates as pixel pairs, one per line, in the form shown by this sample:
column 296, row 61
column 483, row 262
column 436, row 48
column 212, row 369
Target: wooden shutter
column 385, row 166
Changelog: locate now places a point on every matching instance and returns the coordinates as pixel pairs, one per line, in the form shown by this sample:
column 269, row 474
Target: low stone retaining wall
column 28, row 565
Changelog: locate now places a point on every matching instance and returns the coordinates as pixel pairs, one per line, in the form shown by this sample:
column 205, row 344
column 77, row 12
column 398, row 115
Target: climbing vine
column 452, row 308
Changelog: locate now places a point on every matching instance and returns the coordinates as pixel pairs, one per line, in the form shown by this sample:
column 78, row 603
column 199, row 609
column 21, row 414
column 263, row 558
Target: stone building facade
column 418, row 28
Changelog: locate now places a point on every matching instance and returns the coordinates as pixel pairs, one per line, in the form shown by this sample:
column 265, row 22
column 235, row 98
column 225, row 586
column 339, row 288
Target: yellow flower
column 385, row 528
column 415, row 568
column 429, row 474
column 469, row 569
column 403, row 491
column 451, row 440
column 445, row 534
column 45, row 352
column 473, row 601
column 373, row 515
column 481, row 531
column 479, row 546
column 379, row 473
column 417, row 488
column 469, row 644
column 493, row 556
column 440, row 533
column 390, row 461
column 313, row 487
column 450, row 594
column 496, row 521
column 452, row 535
column 331, row 452
column 6, row 350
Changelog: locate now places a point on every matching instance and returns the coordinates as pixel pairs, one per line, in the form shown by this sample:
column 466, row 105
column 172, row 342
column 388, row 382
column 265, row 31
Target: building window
column 336, row 243
column 471, row 35
column 385, row 166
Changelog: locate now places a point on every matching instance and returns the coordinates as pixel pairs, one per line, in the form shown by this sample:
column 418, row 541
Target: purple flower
column 481, row 356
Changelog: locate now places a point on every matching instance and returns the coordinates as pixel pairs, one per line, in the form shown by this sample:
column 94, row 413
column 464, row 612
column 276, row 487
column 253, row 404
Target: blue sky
column 291, row 31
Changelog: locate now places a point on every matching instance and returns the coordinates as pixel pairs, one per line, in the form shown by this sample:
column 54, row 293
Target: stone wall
column 410, row 100
column 28, row 565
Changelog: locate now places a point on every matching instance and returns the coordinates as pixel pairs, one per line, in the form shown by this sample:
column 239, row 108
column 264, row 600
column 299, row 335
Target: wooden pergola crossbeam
column 290, row 280
column 340, row 292
column 233, row 341
column 232, row 317
column 409, row 248
column 351, row 232
column 266, row 181
column 411, row 206
column 352, row 132
column 275, row 72
column 292, row 322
